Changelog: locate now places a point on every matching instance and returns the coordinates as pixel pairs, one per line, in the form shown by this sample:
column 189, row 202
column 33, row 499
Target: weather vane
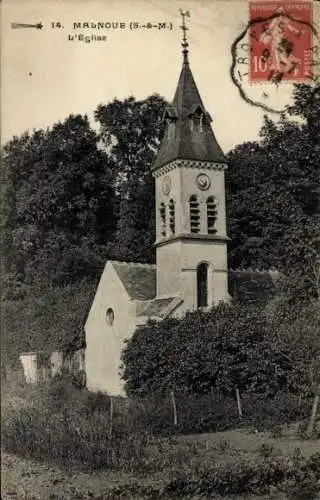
column 184, row 28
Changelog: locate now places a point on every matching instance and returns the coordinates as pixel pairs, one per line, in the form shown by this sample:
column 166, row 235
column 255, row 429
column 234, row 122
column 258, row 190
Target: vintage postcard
column 160, row 248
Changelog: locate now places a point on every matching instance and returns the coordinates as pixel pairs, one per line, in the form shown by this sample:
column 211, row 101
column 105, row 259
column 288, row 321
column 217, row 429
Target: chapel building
column 191, row 268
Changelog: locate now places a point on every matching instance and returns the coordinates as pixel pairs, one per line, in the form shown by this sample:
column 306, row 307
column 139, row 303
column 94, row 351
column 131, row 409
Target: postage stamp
column 281, row 37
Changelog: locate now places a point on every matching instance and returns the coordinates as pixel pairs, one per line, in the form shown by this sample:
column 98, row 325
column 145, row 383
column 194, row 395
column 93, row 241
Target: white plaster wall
column 30, row 368
column 195, row 251
column 169, row 268
column 213, row 253
column 56, row 361
column 177, row 264
column 105, row 342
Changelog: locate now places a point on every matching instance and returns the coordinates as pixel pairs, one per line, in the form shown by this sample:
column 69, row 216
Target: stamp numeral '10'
column 281, row 37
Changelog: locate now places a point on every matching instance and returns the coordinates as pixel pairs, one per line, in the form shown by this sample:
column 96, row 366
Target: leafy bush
column 239, row 476
column 207, row 413
column 304, row 484
column 71, row 439
column 72, row 427
column 246, row 346
column 245, row 475
column 97, row 402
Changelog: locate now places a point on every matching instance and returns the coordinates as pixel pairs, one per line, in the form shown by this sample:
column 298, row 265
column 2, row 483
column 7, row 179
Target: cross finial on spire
column 184, row 44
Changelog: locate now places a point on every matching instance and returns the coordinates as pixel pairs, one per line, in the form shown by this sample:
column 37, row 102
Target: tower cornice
column 205, row 238
column 195, row 164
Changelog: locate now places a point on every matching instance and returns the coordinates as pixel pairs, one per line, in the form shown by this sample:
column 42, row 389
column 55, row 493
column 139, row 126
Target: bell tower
column 191, row 239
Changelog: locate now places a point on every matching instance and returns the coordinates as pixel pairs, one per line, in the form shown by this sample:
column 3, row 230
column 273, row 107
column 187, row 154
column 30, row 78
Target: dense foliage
column 131, row 130
column 46, row 320
column 71, row 428
column 244, row 346
column 74, row 197
column 274, row 197
column 59, row 210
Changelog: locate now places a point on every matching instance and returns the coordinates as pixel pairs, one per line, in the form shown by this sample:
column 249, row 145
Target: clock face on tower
column 166, row 185
column 203, row 182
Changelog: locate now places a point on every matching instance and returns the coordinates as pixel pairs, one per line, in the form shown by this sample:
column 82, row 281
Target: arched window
column 211, row 215
column 110, row 316
column 201, row 123
column 202, row 285
column 197, row 120
column 172, row 217
column 170, row 124
column 163, row 219
column 194, row 214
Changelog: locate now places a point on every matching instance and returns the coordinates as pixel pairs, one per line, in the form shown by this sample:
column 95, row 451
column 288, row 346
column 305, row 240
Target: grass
column 70, row 428
column 26, row 479
column 61, row 443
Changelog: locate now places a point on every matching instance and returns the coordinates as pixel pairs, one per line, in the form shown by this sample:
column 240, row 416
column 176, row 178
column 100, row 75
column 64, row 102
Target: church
column 191, row 268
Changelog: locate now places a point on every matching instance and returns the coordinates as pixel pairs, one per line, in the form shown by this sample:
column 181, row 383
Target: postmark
column 278, row 48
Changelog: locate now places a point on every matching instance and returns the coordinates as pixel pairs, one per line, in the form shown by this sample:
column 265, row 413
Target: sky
column 46, row 76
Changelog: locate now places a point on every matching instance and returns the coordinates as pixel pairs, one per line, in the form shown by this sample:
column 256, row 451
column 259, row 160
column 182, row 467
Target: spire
column 184, row 43
column 188, row 134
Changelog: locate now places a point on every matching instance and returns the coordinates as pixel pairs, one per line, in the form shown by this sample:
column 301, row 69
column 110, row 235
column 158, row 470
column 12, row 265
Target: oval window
column 110, row 316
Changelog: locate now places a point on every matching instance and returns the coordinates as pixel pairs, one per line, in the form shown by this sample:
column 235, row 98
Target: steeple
column 191, row 233
column 188, row 134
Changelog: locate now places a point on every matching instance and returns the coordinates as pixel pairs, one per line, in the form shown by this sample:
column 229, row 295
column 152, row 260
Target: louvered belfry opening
column 211, row 215
column 163, row 219
column 202, row 285
column 197, row 120
column 194, row 214
column 172, row 217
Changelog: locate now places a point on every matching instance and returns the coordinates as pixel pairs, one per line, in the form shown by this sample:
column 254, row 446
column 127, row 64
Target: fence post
column 239, row 403
column 111, row 416
column 175, row 416
column 313, row 416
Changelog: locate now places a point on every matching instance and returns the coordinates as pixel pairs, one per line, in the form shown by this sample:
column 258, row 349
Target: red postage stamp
column 281, row 34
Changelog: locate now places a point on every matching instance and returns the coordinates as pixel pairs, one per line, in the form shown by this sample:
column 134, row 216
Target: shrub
column 172, row 353
column 208, row 413
column 97, row 402
column 304, row 484
column 247, row 475
column 71, row 437
column 266, row 450
column 236, row 476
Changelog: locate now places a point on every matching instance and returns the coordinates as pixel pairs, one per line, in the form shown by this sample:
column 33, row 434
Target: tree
column 274, row 202
column 59, row 203
column 296, row 330
column 131, row 131
column 135, row 234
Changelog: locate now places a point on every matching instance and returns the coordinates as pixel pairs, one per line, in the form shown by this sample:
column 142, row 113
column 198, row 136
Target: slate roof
column 156, row 308
column 184, row 143
column 138, row 279
column 252, row 285
column 140, row 282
